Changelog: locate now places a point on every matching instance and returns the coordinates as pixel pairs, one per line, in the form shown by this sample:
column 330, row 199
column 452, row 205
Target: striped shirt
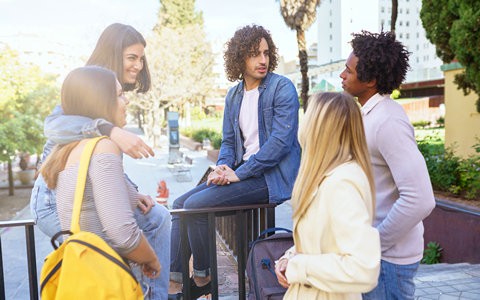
column 108, row 203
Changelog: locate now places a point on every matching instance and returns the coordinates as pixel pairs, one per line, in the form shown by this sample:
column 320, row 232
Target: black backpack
column 261, row 264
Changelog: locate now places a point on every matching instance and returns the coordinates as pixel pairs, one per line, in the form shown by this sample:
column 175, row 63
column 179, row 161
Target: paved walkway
column 443, row 281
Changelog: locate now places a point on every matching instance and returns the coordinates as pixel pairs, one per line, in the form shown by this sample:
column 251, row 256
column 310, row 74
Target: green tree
column 180, row 61
column 299, row 15
column 26, row 97
column 452, row 25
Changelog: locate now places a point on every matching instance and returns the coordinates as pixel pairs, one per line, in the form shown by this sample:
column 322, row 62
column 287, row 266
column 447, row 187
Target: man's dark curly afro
column 380, row 58
column 244, row 43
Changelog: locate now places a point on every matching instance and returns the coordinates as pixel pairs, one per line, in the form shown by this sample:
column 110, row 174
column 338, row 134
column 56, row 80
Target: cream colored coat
column 339, row 249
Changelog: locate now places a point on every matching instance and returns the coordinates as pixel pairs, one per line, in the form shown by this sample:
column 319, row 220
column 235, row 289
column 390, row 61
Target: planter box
column 456, row 227
column 190, row 143
column 212, row 155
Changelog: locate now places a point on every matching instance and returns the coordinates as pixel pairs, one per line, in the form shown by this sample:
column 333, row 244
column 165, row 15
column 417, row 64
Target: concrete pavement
column 443, row 281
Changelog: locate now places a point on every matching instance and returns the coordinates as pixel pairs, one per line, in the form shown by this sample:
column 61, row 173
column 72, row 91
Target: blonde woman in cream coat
column 337, row 250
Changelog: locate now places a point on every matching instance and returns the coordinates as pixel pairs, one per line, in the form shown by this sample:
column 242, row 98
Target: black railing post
column 184, row 246
column 212, row 239
column 240, row 216
column 32, row 264
column 2, row 278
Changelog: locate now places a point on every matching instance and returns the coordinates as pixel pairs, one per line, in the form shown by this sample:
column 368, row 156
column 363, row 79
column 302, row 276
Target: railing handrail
column 16, row 223
column 221, row 209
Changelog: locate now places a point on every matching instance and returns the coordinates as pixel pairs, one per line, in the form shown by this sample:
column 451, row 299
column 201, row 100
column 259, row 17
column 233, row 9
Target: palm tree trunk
column 394, row 15
column 303, row 57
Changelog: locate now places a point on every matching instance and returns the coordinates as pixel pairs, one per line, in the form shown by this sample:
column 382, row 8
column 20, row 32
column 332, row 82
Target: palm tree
column 299, row 15
column 394, row 15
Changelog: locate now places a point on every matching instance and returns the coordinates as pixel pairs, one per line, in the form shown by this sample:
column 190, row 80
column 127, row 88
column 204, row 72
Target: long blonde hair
column 330, row 134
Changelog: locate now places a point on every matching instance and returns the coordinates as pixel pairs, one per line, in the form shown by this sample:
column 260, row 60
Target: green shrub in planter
column 216, row 140
column 432, row 254
column 203, row 133
column 421, row 124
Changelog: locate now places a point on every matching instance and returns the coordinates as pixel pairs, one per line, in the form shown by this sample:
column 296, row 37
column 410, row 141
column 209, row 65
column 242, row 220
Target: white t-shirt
column 248, row 121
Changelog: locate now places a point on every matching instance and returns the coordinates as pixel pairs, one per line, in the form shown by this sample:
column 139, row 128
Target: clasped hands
column 222, row 175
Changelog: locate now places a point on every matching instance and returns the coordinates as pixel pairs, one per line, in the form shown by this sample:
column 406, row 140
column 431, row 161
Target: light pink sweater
column 404, row 194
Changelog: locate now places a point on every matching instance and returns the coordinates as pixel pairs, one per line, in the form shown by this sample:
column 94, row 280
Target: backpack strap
column 272, row 230
column 81, row 180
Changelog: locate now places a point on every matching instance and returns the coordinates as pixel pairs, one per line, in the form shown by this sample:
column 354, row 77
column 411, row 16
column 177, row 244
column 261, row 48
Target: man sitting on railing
column 259, row 156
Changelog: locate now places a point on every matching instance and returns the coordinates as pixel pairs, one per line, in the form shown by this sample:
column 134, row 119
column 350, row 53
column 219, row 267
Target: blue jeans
column 156, row 226
column 395, row 282
column 249, row 191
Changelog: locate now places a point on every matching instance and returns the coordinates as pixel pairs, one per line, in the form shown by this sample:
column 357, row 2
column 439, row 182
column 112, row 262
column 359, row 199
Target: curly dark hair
column 244, row 42
column 380, row 58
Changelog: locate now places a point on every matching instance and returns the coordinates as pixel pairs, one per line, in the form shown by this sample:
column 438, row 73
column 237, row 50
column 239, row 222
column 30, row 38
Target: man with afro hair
column 404, row 197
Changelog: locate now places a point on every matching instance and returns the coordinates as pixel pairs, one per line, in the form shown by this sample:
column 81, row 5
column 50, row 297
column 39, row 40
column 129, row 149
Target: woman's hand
column 152, row 269
column 145, row 203
column 130, row 143
column 280, row 268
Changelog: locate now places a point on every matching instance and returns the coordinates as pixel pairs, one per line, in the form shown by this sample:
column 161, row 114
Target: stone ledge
column 190, row 143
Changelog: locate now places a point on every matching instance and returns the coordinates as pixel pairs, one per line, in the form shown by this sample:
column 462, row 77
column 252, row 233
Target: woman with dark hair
column 94, row 92
column 120, row 48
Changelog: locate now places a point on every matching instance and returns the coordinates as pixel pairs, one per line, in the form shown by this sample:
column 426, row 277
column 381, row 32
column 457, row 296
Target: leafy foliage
column 450, row 173
column 432, row 254
column 453, row 26
column 26, row 97
column 180, row 61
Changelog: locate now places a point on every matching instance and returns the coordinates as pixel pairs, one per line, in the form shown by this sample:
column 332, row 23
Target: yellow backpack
column 85, row 266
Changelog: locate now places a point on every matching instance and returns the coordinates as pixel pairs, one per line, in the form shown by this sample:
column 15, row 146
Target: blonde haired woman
column 337, row 251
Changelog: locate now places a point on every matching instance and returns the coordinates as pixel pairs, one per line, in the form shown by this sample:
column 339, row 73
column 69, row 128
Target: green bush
column 216, row 141
column 203, row 133
column 432, row 254
column 441, row 121
column 450, row 173
column 421, row 124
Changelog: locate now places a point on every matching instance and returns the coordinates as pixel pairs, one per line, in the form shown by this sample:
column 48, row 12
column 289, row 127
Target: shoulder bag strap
column 81, row 180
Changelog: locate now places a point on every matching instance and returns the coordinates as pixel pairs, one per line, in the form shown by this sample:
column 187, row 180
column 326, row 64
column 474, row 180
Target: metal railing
column 31, row 256
column 243, row 225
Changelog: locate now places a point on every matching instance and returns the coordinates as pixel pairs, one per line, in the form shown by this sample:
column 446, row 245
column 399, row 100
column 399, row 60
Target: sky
column 78, row 24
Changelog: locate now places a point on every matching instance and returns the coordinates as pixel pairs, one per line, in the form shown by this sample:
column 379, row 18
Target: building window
column 401, row 35
column 331, row 37
column 401, row 10
column 418, row 47
column 401, row 23
column 407, row 35
column 330, row 24
column 418, row 60
column 382, row 9
column 418, row 34
column 408, row 11
column 407, row 23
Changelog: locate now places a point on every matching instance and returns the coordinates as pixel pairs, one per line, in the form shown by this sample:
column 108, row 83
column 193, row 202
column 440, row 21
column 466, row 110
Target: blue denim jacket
column 64, row 129
column 279, row 156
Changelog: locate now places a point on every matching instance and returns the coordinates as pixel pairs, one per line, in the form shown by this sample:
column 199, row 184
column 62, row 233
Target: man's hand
column 145, row 203
column 280, row 268
column 221, row 175
column 130, row 143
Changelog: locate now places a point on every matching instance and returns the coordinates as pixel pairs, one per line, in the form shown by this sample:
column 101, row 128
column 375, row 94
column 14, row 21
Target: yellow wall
column 462, row 121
